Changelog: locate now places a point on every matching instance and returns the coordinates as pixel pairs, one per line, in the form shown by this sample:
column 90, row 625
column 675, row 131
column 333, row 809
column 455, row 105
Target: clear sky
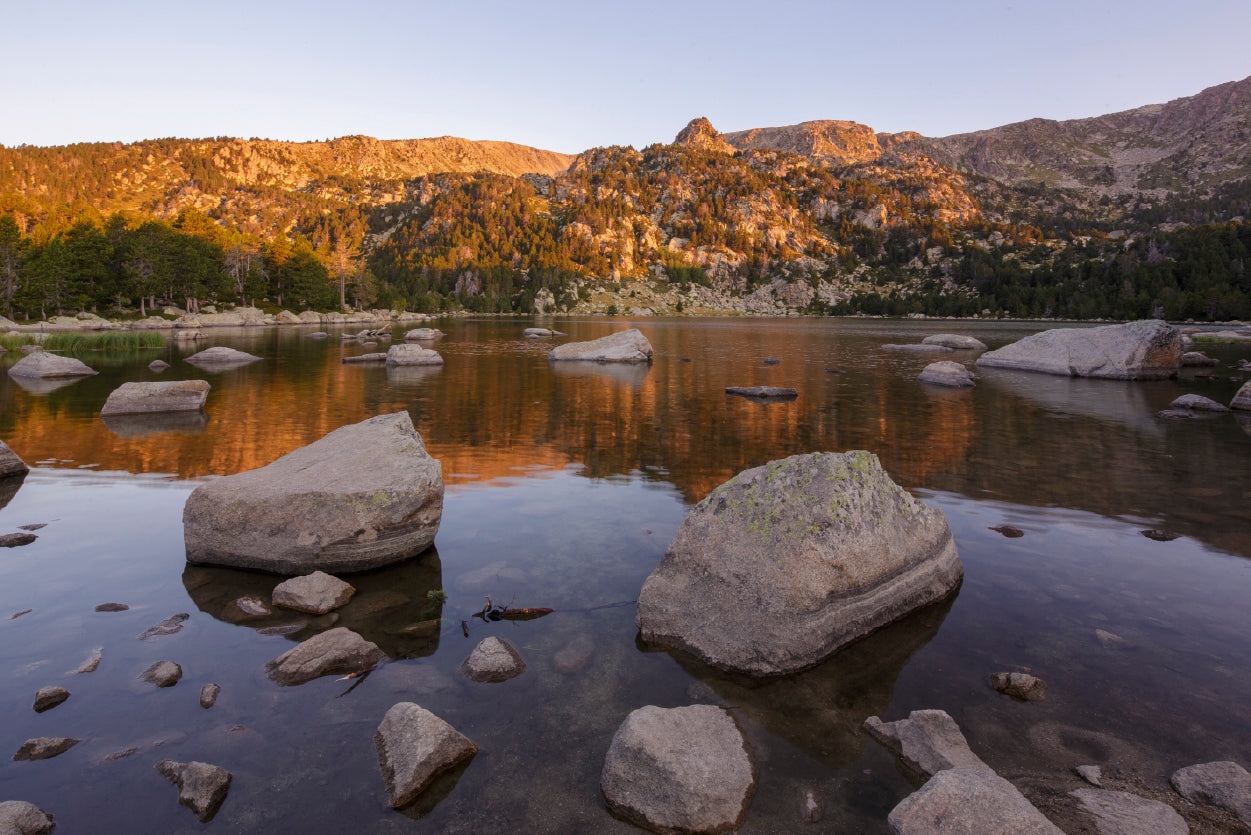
column 566, row 76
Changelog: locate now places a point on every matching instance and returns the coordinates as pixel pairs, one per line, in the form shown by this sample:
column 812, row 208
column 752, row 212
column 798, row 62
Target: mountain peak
column 699, row 133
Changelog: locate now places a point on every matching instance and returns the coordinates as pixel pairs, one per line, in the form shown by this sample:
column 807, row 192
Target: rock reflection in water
column 9, row 485
column 1121, row 401
column 412, row 375
column 44, row 385
column 387, row 604
column 821, row 710
column 134, row 426
column 632, row 374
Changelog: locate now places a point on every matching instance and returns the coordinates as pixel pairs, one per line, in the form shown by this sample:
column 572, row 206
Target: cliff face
column 829, row 141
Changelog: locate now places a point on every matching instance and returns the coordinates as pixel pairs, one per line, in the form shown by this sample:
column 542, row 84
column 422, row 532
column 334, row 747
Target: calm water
column 564, row 486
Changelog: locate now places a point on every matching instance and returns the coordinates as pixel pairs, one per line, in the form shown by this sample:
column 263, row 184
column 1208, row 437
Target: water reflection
column 40, row 386
column 1125, row 402
column 9, row 486
column 134, row 426
column 630, row 374
column 412, row 376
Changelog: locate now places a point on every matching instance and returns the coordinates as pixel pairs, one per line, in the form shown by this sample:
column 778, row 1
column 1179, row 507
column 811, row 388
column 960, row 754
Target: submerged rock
column 918, row 348
column 10, row 463
column 17, row 817
column 147, row 398
column 209, row 694
column 163, row 674
column 315, row 593
column 1197, row 359
column 44, row 748
column 414, row 747
column 1121, row 813
column 623, row 346
column 947, row 373
column 91, row 663
column 221, row 357
column 784, row 564
column 962, row 801
column 683, row 769
column 927, row 742
column 364, row 496
column 1009, row 531
column 49, row 697
column 1147, row 350
column 202, row 787
column 169, row 626
column 955, row 341
column 339, row 651
column 1198, row 402
column 1019, row 686
column 1224, row 784
column 45, row 365
column 493, row 659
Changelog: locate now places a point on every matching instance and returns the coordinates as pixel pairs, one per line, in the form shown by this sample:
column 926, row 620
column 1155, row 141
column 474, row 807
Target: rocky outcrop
column 684, row 769
column 364, row 496
column 149, row 398
column 780, row 566
column 44, row 365
column 410, row 354
column 202, row 787
column 699, row 133
column 17, row 817
column 968, row 800
column 338, row 651
column 1121, row 813
column 221, row 357
column 1146, row 350
column 927, row 742
column 955, row 341
column 1224, row 784
column 10, row 463
column 493, row 659
column 315, row 593
column 947, row 373
column 623, row 346
column 414, row 747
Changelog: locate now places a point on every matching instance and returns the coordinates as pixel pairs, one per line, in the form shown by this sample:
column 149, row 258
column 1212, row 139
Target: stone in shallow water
column 16, row 540
column 163, row 674
column 928, row 741
column 784, row 564
column 1008, row 531
column 44, row 747
column 49, row 697
column 1198, row 403
column 1147, row 350
column 1224, row 783
column 410, row 354
column 221, row 357
column 947, row 373
column 963, row 801
column 763, row 392
column 1242, row 400
column 955, row 341
column 45, row 365
column 10, row 463
column 17, row 817
column 149, row 398
column 209, row 694
column 493, row 659
column 338, row 651
column 623, row 346
column 169, row 626
column 684, row 769
column 202, row 787
column 315, row 593
column 92, row 661
column 414, row 747
column 1121, row 813
column 112, row 607
column 1019, row 686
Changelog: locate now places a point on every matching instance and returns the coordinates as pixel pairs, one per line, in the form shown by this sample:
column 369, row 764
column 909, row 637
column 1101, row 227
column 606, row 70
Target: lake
column 564, row 487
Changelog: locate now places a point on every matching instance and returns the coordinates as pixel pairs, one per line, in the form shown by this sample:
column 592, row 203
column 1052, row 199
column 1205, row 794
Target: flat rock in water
column 409, row 354
column 623, row 346
column 414, row 747
column 318, row 335
column 49, row 697
column 763, row 392
column 493, row 659
column 338, row 651
column 1121, row 813
column 1242, row 400
column 158, row 365
column 221, row 356
column 784, row 564
column 917, row 348
column 163, row 674
column 365, row 496
column 927, row 742
column 16, row 540
column 169, row 626
column 45, row 748
column 202, row 787
column 362, row 359
column 1197, row 359
column 315, row 593
column 417, row 334
column 683, row 769
column 45, row 365
column 1224, row 783
column 947, row 373
column 209, row 694
column 1147, row 350
column 1019, row 686
column 539, row 333
column 247, row 607
column 17, row 817
column 91, row 663
column 1198, row 402
column 964, row 801
column 1110, row 640
column 955, row 341
column 1160, row 535
column 149, row 398
column 112, row 607
column 1009, row 531
column 10, row 463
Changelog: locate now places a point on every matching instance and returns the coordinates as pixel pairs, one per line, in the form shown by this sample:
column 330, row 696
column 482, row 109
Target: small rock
column 414, row 747
column 968, row 800
column 763, row 392
column 1197, row 359
column 14, row 540
column 361, row 359
column 221, row 357
column 201, row 787
column 1225, row 784
column 112, row 607
column 1092, row 774
column 11, row 463
column 493, row 660
column 1160, row 535
column 574, row 655
column 1111, row 640
column 315, row 593
column 123, row 754
column 338, row 650
column 209, row 694
column 35, row 527
column 928, row 741
column 1008, row 531
column 1019, row 686
column 1242, row 399
column 169, row 626
column 163, row 674
column 810, row 810
column 423, row 333
column 281, row 629
column 318, row 335
column 158, row 365
column 1198, row 403
column 955, row 341
column 49, row 697
column 947, row 373
column 17, row 817
column 93, row 661
column 251, row 606
column 1121, row 813
column 771, row 361
column 45, row 747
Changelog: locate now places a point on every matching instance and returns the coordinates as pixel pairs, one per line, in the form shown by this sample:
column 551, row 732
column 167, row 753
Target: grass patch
column 72, row 343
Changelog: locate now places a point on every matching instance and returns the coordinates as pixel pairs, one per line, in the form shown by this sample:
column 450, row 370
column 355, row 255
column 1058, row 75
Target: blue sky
column 567, row 76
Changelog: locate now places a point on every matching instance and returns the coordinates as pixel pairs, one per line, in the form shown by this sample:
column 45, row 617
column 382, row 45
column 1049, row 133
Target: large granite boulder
column 10, row 463
column 414, row 747
column 412, row 354
column 45, row 365
column 623, row 346
column 1146, row 350
column 784, row 564
column 17, row 817
column 339, row 651
column 364, row 496
column 221, row 357
column 1224, row 784
column 955, row 341
column 149, row 398
column 202, row 787
column 682, row 769
column 964, row 801
column 1242, row 400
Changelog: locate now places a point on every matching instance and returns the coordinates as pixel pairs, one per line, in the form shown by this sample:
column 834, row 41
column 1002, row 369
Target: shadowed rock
column 45, row 365
column 1242, row 400
column 684, row 769
column 209, row 694
column 202, row 787
column 623, row 346
column 414, row 747
column 968, row 800
column 780, row 566
column 364, row 496
column 149, row 398
column 16, row 540
column 1198, row 403
column 1019, row 686
column 336, row 651
column 1197, row 359
column 49, row 697
column 163, row 674
column 1147, row 350
column 17, row 817
column 927, row 742
column 315, row 593
column 10, row 463
column 44, row 748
